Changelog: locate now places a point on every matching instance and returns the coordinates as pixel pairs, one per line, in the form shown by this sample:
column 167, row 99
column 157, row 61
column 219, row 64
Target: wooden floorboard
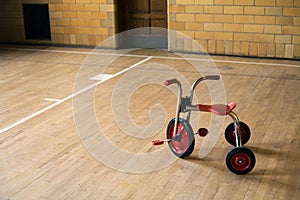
column 44, row 157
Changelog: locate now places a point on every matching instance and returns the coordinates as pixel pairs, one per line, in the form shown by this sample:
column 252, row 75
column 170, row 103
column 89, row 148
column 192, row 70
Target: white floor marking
column 29, row 117
column 159, row 57
column 71, row 96
column 50, row 99
column 101, row 77
column 74, row 52
column 146, row 58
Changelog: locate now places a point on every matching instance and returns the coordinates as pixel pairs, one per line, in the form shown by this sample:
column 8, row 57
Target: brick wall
column 73, row 22
column 264, row 28
column 81, row 22
column 11, row 21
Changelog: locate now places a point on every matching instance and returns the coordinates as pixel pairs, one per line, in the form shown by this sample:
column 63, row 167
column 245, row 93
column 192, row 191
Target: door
column 148, row 18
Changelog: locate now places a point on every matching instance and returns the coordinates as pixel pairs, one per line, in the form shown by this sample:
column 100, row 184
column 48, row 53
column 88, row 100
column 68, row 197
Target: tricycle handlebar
column 170, row 82
column 208, row 77
column 212, row 77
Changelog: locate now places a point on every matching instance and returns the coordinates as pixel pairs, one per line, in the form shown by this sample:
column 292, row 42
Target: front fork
column 238, row 138
column 190, row 98
column 178, row 108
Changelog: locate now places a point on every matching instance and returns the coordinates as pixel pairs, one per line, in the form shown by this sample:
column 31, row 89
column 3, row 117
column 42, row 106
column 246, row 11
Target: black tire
column 230, row 133
column 182, row 145
column 240, row 160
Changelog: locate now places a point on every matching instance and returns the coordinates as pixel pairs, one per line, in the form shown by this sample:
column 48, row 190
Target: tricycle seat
column 219, row 109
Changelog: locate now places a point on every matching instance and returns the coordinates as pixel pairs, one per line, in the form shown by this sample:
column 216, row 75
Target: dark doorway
column 36, row 21
column 150, row 16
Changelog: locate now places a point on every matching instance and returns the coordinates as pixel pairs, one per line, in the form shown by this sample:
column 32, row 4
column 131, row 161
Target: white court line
column 50, row 99
column 159, row 57
column 71, row 96
column 101, row 77
column 74, row 52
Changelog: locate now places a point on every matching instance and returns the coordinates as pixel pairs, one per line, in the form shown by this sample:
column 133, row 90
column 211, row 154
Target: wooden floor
column 50, row 149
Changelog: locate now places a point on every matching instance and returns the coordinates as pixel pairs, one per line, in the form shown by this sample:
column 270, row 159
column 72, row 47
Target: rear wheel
column 244, row 131
column 182, row 143
column 240, row 160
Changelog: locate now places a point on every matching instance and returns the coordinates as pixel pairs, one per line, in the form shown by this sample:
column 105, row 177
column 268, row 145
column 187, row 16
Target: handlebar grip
column 212, row 77
column 170, row 82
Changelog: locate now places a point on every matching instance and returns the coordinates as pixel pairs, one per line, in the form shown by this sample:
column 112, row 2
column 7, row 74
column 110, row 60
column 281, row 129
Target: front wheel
column 182, row 143
column 240, row 160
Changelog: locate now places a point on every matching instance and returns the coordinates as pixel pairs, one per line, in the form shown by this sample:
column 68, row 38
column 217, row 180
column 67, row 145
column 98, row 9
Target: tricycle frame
column 239, row 160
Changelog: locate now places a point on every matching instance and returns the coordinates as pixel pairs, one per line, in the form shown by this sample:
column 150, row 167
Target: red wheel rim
column 241, row 161
column 181, row 143
column 232, row 134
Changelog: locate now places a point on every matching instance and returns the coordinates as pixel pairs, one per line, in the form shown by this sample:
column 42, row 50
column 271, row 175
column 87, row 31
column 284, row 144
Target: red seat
column 219, row 109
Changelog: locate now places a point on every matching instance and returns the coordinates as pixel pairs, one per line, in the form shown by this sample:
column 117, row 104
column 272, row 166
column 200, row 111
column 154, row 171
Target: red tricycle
column 180, row 135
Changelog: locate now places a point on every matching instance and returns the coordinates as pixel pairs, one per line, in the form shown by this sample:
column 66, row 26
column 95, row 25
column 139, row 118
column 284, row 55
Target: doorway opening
column 36, row 21
column 148, row 18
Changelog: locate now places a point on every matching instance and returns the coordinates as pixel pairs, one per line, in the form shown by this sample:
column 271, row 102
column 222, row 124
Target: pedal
column 202, row 132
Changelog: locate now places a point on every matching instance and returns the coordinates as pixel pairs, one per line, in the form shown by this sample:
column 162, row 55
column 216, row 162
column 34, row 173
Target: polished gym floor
column 54, row 99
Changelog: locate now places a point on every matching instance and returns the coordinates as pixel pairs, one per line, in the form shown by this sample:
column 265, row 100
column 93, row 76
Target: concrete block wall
column 81, row 22
column 11, row 21
column 72, row 22
column 263, row 28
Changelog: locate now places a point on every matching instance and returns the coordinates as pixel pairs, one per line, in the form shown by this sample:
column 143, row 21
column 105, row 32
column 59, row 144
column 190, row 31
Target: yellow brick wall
column 264, row 28
column 11, row 21
column 72, row 22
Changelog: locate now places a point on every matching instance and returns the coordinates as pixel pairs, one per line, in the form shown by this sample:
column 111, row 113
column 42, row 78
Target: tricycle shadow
column 267, row 168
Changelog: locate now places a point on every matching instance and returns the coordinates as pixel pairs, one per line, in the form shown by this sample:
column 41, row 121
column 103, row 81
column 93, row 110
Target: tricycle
column 180, row 135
